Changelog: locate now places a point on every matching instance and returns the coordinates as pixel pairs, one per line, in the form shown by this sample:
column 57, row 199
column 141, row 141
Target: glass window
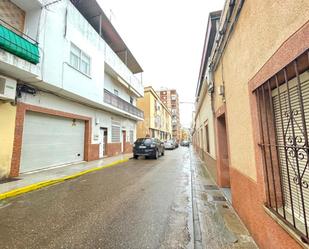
column 75, row 56
column 79, row 60
column 85, row 64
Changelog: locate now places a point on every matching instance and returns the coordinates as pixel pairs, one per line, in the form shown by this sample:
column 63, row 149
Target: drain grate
column 211, row 187
column 218, row 198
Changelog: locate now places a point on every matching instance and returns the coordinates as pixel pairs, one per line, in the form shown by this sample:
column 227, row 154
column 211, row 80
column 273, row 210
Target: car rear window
column 144, row 140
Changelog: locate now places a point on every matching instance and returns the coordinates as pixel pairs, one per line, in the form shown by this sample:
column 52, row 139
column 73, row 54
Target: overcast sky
column 166, row 37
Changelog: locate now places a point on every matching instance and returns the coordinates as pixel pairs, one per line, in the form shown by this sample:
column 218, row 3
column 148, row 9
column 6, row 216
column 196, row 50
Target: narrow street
column 138, row 204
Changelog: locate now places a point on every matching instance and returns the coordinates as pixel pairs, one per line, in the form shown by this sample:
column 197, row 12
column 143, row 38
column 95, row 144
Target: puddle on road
column 177, row 234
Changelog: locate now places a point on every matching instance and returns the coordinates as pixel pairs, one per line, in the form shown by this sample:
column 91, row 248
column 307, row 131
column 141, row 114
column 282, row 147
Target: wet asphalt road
column 139, row 204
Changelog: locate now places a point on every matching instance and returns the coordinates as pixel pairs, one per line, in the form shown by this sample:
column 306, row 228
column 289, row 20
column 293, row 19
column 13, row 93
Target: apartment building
column 157, row 117
column 256, row 83
column 77, row 84
column 170, row 98
column 185, row 134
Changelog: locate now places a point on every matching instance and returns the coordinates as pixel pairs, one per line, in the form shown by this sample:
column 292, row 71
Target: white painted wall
column 205, row 115
column 50, row 101
column 32, row 23
column 56, row 28
column 60, row 26
column 111, row 83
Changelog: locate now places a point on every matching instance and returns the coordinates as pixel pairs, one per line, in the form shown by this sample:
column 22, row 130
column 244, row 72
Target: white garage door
column 51, row 140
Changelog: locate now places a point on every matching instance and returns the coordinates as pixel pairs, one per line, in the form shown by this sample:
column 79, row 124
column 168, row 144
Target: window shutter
column 131, row 136
column 287, row 157
column 115, row 131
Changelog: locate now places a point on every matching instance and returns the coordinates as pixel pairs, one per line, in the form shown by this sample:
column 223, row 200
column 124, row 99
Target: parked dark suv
column 148, row 147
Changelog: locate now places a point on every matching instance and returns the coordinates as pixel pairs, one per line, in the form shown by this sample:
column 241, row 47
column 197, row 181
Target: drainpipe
column 219, row 49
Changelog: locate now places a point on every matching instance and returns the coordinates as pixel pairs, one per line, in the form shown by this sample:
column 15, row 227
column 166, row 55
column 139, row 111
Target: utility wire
column 51, row 3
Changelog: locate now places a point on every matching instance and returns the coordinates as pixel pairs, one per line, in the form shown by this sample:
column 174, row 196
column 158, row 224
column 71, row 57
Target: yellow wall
column 261, row 28
column 143, row 126
column 7, row 129
column 147, row 104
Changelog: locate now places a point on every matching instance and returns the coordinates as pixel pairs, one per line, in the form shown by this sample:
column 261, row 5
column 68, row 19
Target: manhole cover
column 218, row 198
column 211, row 187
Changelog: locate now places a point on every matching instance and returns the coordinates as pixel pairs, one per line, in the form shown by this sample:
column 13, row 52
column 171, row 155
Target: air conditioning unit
column 7, row 88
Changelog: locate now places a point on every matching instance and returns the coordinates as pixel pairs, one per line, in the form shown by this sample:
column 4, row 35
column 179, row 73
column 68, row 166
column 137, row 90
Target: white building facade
column 78, row 102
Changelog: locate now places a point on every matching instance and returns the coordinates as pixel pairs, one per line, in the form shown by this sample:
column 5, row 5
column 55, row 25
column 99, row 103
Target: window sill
column 293, row 234
column 88, row 76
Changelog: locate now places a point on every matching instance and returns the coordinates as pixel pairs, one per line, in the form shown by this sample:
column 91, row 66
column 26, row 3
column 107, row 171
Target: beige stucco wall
column 205, row 116
column 262, row 27
column 7, row 129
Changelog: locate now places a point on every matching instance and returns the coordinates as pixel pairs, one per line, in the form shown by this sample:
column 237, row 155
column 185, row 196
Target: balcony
column 119, row 103
column 19, row 44
column 117, row 65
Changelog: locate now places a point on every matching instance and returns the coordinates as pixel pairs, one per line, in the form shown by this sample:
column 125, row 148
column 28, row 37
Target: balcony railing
column 121, row 104
column 18, row 43
column 113, row 60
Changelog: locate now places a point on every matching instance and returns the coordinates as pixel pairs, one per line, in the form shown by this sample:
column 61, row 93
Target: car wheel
column 135, row 156
column 156, row 155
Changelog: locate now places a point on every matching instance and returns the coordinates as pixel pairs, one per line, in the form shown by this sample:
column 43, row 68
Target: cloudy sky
column 166, row 37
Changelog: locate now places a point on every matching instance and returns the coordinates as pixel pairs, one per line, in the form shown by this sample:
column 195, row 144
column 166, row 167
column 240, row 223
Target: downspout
column 215, row 57
column 218, row 51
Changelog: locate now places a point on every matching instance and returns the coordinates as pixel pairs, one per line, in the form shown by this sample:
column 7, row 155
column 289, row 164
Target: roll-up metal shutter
column 131, row 136
column 50, row 141
column 115, row 131
column 287, row 159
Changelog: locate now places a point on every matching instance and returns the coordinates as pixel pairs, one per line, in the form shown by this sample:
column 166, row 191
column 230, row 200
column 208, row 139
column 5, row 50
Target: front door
column 103, row 142
column 124, row 140
column 222, row 153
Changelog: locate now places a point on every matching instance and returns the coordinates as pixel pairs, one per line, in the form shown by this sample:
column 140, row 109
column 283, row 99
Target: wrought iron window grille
column 283, row 113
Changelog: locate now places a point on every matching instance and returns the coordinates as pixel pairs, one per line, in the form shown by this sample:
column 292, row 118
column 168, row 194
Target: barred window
column 283, row 108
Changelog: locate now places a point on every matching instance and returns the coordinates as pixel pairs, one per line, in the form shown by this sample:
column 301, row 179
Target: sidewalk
column 31, row 181
column 217, row 225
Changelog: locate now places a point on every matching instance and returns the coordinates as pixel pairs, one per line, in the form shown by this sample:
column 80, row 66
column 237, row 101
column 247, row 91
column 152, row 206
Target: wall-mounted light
column 97, row 121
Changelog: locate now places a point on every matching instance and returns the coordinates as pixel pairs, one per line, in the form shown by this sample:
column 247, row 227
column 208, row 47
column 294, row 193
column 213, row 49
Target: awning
column 19, row 46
